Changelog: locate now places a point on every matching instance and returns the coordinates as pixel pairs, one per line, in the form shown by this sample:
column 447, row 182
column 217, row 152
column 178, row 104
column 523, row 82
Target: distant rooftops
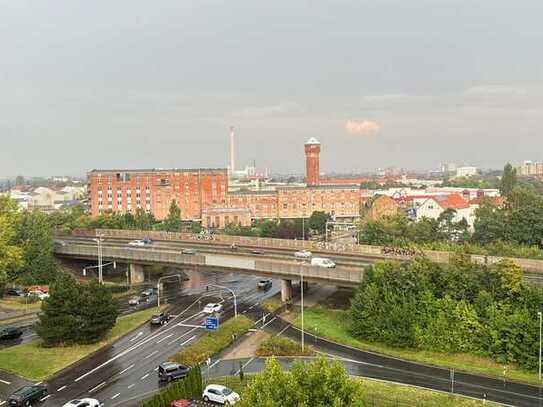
column 311, row 141
column 157, row 170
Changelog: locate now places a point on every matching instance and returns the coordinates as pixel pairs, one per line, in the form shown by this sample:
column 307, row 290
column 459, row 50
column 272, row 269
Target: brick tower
column 312, row 167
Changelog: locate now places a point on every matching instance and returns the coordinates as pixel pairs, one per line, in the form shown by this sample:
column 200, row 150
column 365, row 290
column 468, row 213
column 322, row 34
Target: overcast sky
column 94, row 84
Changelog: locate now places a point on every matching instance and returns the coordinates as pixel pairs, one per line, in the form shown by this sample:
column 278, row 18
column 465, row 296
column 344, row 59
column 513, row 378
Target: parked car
column 189, row 251
column 322, row 262
column 10, row 332
column 27, row 395
column 140, row 242
column 220, row 394
column 40, row 294
column 265, row 284
column 303, row 254
column 16, row 292
column 135, row 300
column 84, row 403
column 183, row 403
column 212, row 308
column 169, row 371
column 160, row 318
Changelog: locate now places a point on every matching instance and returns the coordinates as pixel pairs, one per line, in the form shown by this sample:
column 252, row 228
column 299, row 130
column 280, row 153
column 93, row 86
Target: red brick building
column 202, row 194
column 153, row 190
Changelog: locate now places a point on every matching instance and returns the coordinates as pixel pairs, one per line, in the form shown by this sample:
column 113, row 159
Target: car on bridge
column 84, row 403
column 212, row 308
column 322, row 262
column 27, row 395
column 140, row 243
column 257, row 251
column 303, row 254
column 189, row 252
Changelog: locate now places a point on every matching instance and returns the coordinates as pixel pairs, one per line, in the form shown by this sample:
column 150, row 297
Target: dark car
column 10, row 333
column 257, row 251
column 169, row 371
column 160, row 319
column 264, row 284
column 190, row 252
column 27, row 395
column 16, row 292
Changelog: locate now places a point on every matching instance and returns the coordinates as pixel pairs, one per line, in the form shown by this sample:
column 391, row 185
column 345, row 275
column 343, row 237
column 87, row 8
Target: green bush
column 279, row 346
column 191, row 388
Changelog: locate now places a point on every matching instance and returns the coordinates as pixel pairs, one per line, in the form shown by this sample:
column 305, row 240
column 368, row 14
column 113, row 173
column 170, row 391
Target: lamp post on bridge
column 100, row 239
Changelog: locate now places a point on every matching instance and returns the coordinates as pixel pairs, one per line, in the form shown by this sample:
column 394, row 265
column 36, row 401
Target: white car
column 212, row 308
column 40, row 294
column 137, row 243
column 84, row 403
column 220, row 394
column 303, row 254
column 322, row 262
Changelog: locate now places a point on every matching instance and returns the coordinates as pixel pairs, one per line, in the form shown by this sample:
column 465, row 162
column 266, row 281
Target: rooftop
column 156, row 170
column 312, row 140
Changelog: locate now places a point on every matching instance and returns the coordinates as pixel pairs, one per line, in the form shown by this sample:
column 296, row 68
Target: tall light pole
column 233, row 294
column 540, row 315
column 303, row 227
column 302, row 299
column 99, row 239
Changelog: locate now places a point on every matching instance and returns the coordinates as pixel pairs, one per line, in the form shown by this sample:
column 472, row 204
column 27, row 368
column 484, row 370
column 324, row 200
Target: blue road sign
column 212, row 323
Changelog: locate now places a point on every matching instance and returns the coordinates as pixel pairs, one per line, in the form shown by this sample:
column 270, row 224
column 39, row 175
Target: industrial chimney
column 232, row 156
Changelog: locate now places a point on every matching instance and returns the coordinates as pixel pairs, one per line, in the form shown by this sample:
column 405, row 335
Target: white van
column 322, row 262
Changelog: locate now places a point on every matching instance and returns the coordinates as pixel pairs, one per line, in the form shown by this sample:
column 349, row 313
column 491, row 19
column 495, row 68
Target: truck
column 322, row 262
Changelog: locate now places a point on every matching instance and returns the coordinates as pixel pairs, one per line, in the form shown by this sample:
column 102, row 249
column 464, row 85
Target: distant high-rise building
column 312, row 161
column 448, row 168
column 530, row 169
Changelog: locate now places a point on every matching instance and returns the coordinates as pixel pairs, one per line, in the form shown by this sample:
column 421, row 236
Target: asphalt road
column 125, row 372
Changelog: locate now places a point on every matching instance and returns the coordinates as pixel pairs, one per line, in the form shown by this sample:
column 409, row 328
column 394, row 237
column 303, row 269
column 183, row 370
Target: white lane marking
column 61, row 388
column 150, row 338
column 37, row 384
column 2, row 403
column 182, row 336
column 163, row 339
column 214, row 363
column 115, row 396
column 269, row 322
column 132, row 385
column 244, row 366
column 136, row 337
column 190, row 326
column 283, row 330
column 156, row 368
column 3, row 381
column 188, row 340
column 144, row 376
column 243, row 312
column 45, row 398
column 151, row 354
column 128, row 368
column 97, row 387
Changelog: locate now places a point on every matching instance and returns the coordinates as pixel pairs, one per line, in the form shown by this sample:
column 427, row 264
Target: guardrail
column 377, row 252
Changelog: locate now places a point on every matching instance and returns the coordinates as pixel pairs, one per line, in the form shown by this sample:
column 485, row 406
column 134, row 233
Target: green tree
column 319, row 383
column 35, row 238
column 76, row 312
column 195, row 227
column 317, row 221
column 11, row 256
column 143, row 220
column 508, row 181
column 172, row 223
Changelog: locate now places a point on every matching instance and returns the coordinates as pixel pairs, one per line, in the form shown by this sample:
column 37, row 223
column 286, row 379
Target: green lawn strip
column 20, row 305
column 381, row 394
column 271, row 304
column 334, row 325
column 213, row 342
column 34, row 362
column 279, row 346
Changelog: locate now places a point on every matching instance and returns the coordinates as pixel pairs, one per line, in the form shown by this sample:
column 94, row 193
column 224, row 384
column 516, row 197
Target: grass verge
column 381, row 394
column 334, row 325
column 213, row 342
column 279, row 346
column 18, row 304
column 33, row 362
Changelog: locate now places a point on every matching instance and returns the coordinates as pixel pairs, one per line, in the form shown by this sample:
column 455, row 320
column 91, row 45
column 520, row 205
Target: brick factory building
column 202, row 194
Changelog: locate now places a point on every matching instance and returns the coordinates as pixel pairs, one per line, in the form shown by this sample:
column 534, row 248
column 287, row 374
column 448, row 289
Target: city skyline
column 131, row 85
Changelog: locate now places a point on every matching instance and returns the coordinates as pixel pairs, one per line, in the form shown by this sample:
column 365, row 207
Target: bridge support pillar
column 286, row 290
column 137, row 275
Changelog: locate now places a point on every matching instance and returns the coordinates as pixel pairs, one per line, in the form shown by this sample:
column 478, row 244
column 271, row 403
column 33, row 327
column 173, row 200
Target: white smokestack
column 232, row 156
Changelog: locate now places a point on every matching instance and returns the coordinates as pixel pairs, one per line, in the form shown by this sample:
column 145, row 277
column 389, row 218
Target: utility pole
column 99, row 239
column 302, row 299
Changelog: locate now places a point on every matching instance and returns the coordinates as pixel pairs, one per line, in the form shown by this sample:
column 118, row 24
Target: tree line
column 459, row 307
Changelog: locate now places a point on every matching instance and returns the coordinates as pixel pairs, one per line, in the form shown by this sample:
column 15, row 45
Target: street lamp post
column 302, row 299
column 233, row 294
column 99, row 239
column 540, row 315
